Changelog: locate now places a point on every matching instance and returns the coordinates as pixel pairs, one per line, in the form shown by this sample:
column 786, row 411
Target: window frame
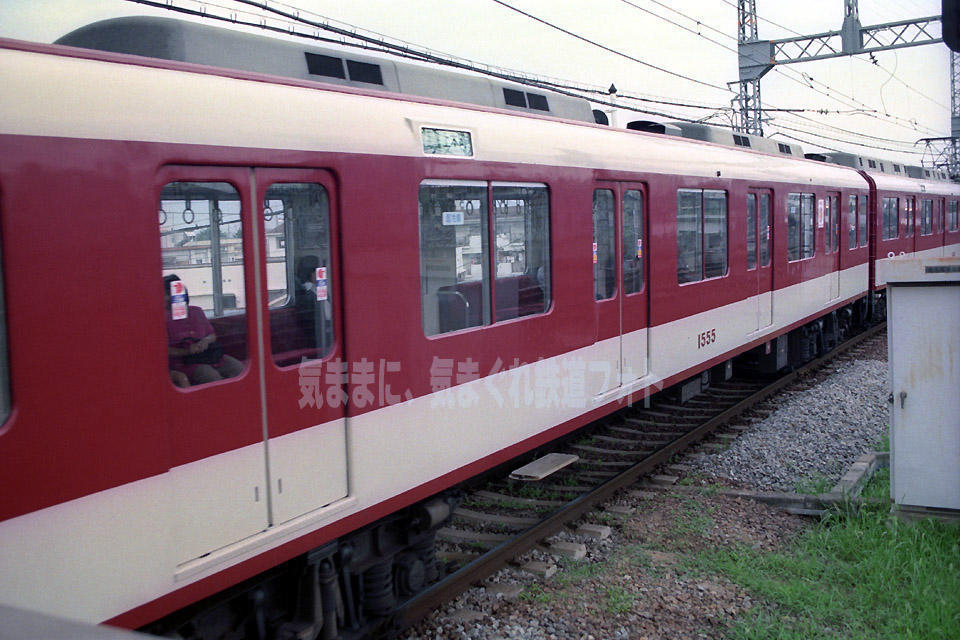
column 611, row 245
column 885, row 217
column 702, row 232
column 489, row 260
column 805, row 217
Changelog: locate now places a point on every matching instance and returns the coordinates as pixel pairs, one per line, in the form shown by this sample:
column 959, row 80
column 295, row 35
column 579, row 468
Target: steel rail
column 418, row 607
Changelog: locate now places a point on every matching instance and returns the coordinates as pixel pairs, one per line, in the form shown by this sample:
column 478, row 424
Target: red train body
column 127, row 499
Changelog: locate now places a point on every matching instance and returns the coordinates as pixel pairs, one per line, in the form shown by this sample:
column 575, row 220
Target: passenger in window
column 195, row 355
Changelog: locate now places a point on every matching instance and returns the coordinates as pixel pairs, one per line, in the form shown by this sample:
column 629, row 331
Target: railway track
column 508, row 516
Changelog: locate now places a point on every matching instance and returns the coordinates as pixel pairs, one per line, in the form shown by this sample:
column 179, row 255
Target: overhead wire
column 609, row 49
column 407, row 50
column 865, row 110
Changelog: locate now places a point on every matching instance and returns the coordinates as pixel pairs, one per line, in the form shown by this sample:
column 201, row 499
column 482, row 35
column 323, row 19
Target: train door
column 832, row 242
column 213, row 412
column 619, row 259
column 304, row 365
column 634, row 333
column 759, row 244
column 257, row 438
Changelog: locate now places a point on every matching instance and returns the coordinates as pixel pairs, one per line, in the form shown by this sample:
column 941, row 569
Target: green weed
column 856, row 575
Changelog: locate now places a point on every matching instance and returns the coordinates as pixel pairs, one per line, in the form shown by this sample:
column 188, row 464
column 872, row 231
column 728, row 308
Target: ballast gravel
column 634, row 585
column 814, row 435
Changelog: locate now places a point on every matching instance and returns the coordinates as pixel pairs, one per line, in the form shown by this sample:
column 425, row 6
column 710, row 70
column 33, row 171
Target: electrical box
column 923, row 331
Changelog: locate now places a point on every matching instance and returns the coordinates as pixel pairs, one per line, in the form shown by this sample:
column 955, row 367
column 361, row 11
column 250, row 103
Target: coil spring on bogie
column 378, row 599
column 425, row 549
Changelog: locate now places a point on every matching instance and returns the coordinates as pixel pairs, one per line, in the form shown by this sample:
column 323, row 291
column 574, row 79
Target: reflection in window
column 800, row 226
column 455, row 281
column 852, row 222
column 604, row 245
column 201, row 241
column 5, row 403
column 863, row 235
column 952, row 216
column 296, row 218
column 689, row 235
column 891, row 218
column 751, row 231
column 926, row 217
column 632, row 241
column 832, row 231
column 522, row 235
column 454, row 257
column 764, row 229
column 701, row 234
column 910, row 217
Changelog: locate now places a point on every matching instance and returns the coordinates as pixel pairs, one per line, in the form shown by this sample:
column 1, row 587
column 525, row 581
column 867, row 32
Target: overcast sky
column 902, row 99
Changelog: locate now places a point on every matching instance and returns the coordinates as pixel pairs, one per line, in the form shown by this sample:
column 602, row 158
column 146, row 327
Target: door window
column 296, row 219
column 201, row 243
column 604, row 245
column 632, row 241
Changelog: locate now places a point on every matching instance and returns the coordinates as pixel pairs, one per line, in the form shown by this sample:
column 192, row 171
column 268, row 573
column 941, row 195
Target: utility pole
column 757, row 57
column 746, row 106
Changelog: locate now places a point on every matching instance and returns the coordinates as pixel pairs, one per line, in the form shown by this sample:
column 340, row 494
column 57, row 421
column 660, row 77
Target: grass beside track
column 857, row 574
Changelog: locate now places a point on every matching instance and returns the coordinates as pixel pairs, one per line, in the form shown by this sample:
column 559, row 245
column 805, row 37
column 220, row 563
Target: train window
column 604, row 245
column 863, row 230
column 5, row 402
column 910, row 217
column 891, row 218
column 522, row 232
column 800, row 226
column 689, row 235
column 454, row 256
column 832, row 232
column 926, row 217
column 828, row 226
column 852, row 222
column 701, row 234
column 300, row 298
column 201, row 241
column 632, row 241
column 952, row 222
column 764, row 229
column 751, row 231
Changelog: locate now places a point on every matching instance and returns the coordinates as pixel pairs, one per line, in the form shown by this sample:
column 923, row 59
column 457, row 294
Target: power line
column 406, row 50
column 608, row 49
column 864, row 109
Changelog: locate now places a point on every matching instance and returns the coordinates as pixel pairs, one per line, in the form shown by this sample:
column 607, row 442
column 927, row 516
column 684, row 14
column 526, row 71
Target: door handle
column 903, row 398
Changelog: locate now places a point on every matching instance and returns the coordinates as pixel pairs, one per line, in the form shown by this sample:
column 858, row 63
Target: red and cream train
column 418, row 289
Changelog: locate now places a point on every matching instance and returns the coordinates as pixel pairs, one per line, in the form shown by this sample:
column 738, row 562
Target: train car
column 302, row 309
column 913, row 217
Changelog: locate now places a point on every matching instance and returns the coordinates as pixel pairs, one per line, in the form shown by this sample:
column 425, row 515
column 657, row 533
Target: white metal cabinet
column 923, row 315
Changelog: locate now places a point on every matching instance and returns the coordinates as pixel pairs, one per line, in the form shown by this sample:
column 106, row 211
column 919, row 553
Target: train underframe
column 349, row 588
column 343, row 590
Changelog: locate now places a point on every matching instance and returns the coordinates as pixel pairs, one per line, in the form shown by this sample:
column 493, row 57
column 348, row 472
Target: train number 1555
column 706, row 337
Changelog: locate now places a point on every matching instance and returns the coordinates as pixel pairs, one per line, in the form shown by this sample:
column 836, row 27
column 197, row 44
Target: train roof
column 887, row 182
column 91, row 94
column 878, row 165
column 182, row 41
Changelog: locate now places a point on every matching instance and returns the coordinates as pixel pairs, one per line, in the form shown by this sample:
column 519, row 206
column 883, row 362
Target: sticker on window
column 178, row 300
column 820, row 213
column 639, row 248
column 452, row 218
column 594, row 253
column 321, row 283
